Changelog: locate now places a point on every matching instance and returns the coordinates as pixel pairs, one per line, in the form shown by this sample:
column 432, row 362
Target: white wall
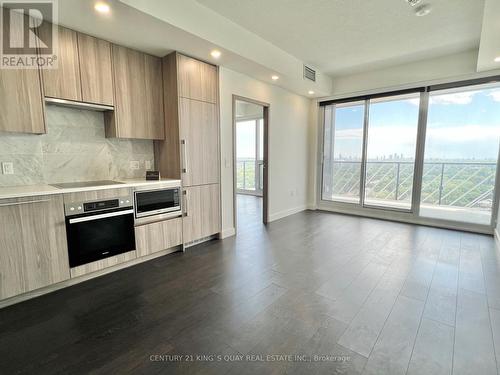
column 289, row 151
column 460, row 66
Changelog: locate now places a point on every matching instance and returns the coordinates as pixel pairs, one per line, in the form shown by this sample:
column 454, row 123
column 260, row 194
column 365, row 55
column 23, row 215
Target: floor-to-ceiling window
column 430, row 154
column 390, row 153
column 343, row 149
column 461, row 151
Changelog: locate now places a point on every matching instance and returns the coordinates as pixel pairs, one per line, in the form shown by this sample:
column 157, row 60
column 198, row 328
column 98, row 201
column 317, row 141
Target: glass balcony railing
column 246, row 177
column 466, row 186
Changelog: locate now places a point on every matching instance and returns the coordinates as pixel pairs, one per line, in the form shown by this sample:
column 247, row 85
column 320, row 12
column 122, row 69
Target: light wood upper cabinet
column 64, row 81
column 21, row 101
column 138, row 93
column 95, row 69
column 199, row 134
column 197, row 80
column 33, row 244
column 202, row 212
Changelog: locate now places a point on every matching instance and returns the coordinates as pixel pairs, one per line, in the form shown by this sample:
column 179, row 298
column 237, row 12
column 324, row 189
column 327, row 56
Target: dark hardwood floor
column 339, row 294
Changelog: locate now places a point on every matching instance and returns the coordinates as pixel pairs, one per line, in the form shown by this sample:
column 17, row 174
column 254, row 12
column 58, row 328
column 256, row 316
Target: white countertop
column 37, row 190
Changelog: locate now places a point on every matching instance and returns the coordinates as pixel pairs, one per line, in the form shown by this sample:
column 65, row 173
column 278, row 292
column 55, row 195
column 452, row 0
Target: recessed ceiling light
column 102, row 7
column 275, row 77
column 423, row 10
column 311, row 92
column 215, row 54
column 497, row 59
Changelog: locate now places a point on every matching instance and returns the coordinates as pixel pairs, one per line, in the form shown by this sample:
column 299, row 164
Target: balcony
column 457, row 191
column 246, row 178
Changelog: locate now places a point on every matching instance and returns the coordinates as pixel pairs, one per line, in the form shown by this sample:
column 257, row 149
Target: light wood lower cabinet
column 202, row 212
column 155, row 237
column 33, row 248
column 102, row 264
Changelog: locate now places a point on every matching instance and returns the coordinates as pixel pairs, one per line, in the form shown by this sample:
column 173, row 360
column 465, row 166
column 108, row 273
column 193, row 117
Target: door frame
column 265, row 185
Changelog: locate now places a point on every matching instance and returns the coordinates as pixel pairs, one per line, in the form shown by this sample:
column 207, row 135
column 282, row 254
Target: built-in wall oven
column 99, row 229
column 161, row 202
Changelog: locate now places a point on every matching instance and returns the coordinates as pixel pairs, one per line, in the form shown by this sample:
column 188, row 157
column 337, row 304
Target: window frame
column 396, row 214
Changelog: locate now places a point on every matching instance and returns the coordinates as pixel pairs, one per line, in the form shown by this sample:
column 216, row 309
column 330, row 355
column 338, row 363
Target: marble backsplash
column 74, row 149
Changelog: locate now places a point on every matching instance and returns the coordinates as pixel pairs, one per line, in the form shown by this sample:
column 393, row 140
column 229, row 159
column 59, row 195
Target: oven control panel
column 78, row 208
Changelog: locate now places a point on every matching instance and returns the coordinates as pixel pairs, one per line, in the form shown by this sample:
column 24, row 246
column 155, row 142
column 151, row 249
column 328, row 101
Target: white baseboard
column 228, row 232
column 285, row 213
column 311, row 206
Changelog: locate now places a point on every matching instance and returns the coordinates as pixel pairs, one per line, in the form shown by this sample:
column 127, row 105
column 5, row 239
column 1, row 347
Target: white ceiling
column 346, row 36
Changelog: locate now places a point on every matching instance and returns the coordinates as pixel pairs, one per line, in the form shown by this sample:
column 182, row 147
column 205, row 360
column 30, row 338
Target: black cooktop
column 83, row 184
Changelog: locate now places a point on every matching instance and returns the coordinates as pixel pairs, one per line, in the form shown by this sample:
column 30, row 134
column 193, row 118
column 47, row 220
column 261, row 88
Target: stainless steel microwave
column 157, row 201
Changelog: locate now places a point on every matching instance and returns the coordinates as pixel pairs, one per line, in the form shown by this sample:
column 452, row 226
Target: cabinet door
column 63, row 82
column 197, row 80
column 21, row 100
column 33, row 243
column 202, row 212
column 95, row 67
column 154, row 237
column 138, row 96
column 199, row 134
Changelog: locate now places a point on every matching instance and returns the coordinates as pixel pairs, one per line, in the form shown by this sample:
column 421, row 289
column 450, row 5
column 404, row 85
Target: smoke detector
column 413, row 2
column 422, row 10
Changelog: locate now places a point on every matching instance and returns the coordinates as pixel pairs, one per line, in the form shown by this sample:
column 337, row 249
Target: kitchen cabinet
column 138, row 94
column 198, row 132
column 155, row 237
column 33, row 244
column 64, row 81
column 21, row 101
column 201, row 212
column 191, row 147
column 197, row 79
column 95, row 70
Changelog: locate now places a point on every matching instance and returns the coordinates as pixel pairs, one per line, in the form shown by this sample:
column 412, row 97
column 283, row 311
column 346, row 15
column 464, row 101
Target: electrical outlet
column 293, row 192
column 134, row 164
column 7, row 168
column 147, row 165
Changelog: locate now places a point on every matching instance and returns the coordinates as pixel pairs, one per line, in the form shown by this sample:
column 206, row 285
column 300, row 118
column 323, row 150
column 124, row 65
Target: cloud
column 462, row 134
column 495, row 95
column 460, row 98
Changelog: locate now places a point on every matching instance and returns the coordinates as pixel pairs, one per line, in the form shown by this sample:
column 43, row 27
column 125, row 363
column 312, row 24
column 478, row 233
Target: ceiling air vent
column 309, row 73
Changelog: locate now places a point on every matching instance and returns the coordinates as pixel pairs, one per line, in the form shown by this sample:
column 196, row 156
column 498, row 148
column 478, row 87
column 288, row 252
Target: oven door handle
column 99, row 216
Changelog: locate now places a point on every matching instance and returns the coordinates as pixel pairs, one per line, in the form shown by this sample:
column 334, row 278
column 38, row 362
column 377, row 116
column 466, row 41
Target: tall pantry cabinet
column 190, row 150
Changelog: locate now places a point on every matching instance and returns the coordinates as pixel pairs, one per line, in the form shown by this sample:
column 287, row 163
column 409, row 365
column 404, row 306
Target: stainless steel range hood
column 80, row 105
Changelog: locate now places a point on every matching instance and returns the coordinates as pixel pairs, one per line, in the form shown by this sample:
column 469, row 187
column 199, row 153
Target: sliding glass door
column 428, row 156
column 390, row 154
column 461, row 152
column 343, row 150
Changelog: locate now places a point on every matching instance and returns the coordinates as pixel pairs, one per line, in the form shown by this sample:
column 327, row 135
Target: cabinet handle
column 184, row 156
column 21, row 203
column 186, row 212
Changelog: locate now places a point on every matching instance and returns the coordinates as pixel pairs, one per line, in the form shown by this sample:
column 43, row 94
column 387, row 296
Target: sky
column 245, row 139
column 462, row 125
